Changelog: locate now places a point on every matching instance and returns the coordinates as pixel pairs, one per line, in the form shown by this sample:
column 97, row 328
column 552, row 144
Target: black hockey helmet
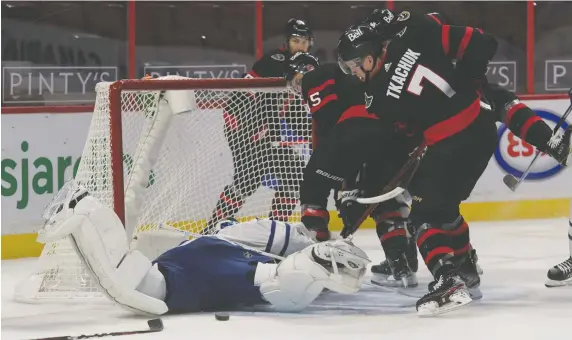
column 298, row 28
column 357, row 42
column 386, row 23
column 300, row 63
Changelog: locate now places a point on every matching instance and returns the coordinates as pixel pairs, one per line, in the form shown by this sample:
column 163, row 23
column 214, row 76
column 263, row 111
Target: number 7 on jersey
column 422, row 72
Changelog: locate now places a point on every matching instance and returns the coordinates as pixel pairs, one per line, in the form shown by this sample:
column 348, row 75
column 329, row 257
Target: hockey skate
column 560, row 275
column 396, row 273
column 560, row 147
column 470, row 272
column 446, row 294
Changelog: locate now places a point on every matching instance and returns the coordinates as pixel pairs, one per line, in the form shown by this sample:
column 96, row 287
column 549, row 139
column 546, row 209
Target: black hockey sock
column 316, row 219
column 570, row 235
column 435, row 246
column 283, row 205
column 391, row 230
column 459, row 233
column 524, row 123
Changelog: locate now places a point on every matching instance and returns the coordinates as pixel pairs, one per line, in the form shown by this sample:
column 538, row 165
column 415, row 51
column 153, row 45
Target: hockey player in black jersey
column 407, row 66
column 341, row 126
column 252, row 129
column 516, row 115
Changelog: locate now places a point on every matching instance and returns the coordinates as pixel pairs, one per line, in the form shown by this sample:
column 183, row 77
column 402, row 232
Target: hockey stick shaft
column 155, row 325
column 511, row 181
column 400, row 180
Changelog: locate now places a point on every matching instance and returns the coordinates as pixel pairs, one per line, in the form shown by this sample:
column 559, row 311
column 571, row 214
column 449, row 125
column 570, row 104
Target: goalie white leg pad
column 119, row 284
column 99, row 238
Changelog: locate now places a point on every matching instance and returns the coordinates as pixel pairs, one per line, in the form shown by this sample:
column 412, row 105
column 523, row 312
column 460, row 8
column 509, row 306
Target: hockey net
column 183, row 153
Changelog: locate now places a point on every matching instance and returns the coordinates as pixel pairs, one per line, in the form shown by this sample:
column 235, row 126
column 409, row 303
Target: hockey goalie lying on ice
column 209, row 272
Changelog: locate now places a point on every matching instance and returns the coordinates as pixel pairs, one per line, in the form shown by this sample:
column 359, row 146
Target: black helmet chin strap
column 367, row 73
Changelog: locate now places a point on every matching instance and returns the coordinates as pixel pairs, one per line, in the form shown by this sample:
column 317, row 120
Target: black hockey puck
column 222, row 316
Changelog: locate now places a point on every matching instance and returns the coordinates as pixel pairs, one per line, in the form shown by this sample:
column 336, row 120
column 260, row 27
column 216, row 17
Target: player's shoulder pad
column 319, row 76
column 270, row 64
column 418, row 27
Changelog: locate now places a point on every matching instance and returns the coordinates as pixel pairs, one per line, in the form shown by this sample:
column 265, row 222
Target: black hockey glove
column 350, row 209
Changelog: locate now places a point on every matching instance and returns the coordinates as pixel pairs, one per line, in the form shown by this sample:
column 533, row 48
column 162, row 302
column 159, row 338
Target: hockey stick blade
column 155, row 325
column 510, row 181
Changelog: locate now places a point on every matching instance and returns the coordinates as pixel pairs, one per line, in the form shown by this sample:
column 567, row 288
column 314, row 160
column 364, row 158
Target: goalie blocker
column 207, row 273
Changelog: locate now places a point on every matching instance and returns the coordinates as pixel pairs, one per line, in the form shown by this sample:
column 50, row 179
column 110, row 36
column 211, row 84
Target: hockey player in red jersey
column 407, row 66
column 252, row 129
column 340, row 125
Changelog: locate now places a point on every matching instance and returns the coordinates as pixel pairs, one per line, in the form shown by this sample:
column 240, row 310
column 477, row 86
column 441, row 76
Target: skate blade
column 385, row 281
column 476, row 293
column 457, row 300
column 557, row 284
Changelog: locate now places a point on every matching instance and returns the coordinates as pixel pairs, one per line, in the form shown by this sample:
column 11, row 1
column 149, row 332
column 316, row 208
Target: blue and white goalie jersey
column 275, row 237
column 217, row 272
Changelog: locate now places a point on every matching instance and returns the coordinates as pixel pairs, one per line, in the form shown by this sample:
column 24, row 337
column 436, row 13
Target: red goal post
column 115, row 107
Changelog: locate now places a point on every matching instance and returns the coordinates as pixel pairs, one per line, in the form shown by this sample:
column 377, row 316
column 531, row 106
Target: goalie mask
column 346, row 263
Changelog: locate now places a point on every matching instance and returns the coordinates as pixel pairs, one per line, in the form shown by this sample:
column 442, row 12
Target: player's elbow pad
column 480, row 51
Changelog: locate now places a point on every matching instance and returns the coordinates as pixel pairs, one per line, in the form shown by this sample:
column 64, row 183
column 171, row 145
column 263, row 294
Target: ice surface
column 515, row 257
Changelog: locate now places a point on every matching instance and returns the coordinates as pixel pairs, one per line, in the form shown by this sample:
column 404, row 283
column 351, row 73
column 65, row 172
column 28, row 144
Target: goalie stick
column 393, row 189
column 511, row 181
column 155, row 325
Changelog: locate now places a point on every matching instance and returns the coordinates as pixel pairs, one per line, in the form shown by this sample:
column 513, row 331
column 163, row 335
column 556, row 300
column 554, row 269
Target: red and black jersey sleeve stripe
column 456, row 39
column 318, row 96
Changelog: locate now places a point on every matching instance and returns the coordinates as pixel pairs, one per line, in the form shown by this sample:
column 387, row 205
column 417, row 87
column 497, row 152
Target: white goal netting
column 194, row 154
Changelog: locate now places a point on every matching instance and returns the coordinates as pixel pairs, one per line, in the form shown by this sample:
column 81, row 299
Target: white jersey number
column 422, row 72
column 315, row 98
